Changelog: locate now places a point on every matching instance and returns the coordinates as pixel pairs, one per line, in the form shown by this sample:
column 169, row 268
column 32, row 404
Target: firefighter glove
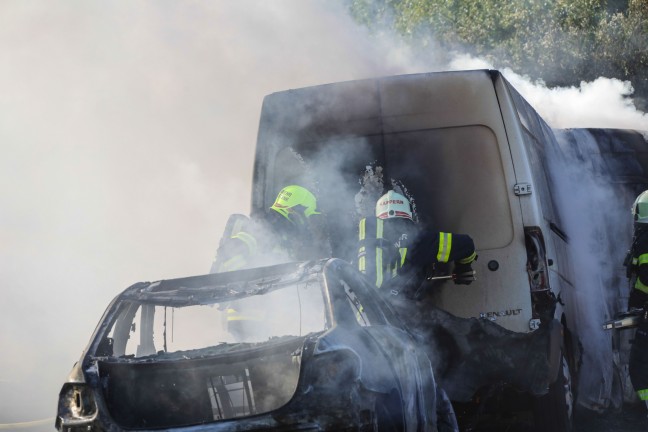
column 463, row 274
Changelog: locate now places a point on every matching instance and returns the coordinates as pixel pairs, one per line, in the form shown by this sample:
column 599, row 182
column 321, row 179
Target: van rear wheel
column 554, row 412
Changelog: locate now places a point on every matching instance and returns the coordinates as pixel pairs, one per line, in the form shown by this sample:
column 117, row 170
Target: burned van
column 469, row 152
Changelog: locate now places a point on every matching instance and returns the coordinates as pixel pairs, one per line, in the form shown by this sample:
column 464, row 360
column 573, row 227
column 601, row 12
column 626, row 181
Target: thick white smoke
column 128, row 133
column 596, row 218
column 602, row 103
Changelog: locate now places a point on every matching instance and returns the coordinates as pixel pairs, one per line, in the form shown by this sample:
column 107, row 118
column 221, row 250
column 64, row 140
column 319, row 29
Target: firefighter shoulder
column 391, row 245
column 237, row 247
column 636, row 263
column 279, row 237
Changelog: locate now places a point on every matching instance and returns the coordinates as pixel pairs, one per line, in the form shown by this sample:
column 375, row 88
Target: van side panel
column 531, row 140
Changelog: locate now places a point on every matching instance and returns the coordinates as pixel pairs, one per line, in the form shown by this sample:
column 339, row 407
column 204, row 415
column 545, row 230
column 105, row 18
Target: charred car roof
column 209, row 288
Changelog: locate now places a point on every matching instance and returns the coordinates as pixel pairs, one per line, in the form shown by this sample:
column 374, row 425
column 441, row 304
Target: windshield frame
column 205, row 290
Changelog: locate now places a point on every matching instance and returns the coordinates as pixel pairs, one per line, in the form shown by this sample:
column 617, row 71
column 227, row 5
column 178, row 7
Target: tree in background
column 561, row 42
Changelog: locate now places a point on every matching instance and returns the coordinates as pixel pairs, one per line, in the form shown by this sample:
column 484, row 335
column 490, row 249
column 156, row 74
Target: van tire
column 554, row 412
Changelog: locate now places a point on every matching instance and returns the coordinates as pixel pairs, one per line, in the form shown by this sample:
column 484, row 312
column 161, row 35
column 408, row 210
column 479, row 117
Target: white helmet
column 393, row 205
column 640, row 208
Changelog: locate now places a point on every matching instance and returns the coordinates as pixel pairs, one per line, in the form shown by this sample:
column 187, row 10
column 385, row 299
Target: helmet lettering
column 285, row 196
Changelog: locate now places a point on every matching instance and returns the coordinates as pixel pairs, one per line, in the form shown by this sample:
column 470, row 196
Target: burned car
column 297, row 346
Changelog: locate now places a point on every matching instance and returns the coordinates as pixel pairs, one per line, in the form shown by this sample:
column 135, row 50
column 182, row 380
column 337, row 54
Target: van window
column 457, row 180
column 455, row 176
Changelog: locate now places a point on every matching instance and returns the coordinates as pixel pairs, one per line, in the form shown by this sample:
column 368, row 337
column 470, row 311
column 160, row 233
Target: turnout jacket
column 248, row 243
column 637, row 263
column 268, row 240
column 638, row 270
column 387, row 250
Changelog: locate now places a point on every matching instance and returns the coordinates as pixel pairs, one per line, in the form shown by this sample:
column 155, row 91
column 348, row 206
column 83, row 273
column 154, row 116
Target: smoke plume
column 128, row 135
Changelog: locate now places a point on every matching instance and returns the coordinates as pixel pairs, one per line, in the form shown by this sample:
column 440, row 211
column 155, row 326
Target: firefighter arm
column 424, row 249
column 433, row 246
column 234, row 253
column 463, row 249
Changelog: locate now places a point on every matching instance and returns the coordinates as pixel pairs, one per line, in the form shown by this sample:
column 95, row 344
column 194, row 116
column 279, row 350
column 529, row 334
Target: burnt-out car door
column 392, row 363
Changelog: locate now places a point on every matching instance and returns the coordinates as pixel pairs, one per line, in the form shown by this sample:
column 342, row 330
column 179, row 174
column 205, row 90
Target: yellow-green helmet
column 640, row 208
column 295, row 200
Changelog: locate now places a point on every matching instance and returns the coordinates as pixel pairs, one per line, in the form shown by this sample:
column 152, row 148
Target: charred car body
column 318, row 351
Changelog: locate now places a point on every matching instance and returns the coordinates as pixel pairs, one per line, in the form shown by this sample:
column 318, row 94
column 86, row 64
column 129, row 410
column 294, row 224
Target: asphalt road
column 630, row 419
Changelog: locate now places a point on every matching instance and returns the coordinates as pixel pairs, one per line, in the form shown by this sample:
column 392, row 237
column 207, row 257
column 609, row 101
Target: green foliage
column 562, row 42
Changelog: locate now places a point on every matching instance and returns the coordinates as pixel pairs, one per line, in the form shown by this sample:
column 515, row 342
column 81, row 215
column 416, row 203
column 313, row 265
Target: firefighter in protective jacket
column 637, row 263
column 285, row 234
column 392, row 248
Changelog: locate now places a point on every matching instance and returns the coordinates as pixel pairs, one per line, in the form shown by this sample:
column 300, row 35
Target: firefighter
column 637, row 263
column 393, row 248
column 237, row 246
column 285, row 233
column 395, row 254
column 637, row 259
column 296, row 224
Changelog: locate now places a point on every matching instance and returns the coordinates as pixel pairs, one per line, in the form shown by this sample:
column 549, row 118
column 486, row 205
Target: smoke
column 597, row 242
column 128, row 135
column 602, row 103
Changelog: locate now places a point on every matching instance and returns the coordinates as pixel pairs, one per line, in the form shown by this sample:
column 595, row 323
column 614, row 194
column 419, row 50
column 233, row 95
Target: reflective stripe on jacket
column 639, row 262
column 433, row 246
column 641, row 283
column 237, row 252
column 381, row 259
column 377, row 257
